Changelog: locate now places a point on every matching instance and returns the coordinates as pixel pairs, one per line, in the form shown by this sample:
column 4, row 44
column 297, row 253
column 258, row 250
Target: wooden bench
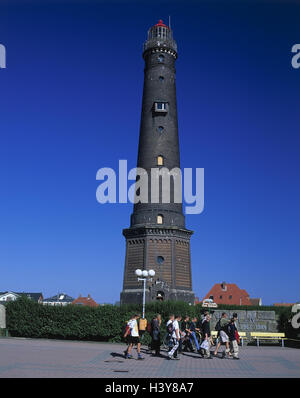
column 242, row 335
column 268, row 336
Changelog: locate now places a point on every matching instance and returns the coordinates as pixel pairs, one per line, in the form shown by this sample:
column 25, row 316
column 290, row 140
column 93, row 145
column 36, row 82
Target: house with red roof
column 230, row 293
column 87, row 301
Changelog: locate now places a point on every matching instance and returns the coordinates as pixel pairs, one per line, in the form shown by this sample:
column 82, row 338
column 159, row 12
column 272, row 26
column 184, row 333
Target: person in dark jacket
column 186, row 335
column 231, row 329
column 183, row 325
column 193, row 337
column 155, row 334
column 207, row 337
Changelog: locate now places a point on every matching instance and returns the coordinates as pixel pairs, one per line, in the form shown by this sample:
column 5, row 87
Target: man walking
column 207, row 337
column 232, row 333
column 175, row 338
column 170, row 329
column 185, row 335
column 193, row 337
column 134, row 337
column 221, row 328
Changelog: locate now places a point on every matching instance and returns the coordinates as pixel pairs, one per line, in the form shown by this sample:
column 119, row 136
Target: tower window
column 160, row 260
column 161, row 58
column 161, row 78
column 160, row 161
column 160, row 129
column 160, row 107
column 159, row 219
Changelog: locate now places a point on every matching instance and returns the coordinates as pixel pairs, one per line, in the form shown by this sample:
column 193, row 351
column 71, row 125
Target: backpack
column 126, row 331
column 226, row 328
column 149, row 327
column 218, row 327
column 170, row 328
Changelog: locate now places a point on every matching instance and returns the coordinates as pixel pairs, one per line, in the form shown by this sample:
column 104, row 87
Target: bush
column 29, row 319
column 26, row 318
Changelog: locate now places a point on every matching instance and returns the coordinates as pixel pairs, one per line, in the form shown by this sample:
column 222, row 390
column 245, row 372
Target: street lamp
column 146, row 276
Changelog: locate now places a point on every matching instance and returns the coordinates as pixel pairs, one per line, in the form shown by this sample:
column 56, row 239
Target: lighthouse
column 157, row 238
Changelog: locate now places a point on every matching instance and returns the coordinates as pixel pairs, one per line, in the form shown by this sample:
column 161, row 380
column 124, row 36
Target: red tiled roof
column 232, row 295
column 88, row 301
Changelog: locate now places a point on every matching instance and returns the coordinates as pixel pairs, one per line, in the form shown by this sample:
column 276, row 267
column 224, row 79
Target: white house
column 59, row 299
column 12, row 296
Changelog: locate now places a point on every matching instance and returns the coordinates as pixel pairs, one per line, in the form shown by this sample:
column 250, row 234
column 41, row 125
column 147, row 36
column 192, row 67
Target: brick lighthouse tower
column 157, row 238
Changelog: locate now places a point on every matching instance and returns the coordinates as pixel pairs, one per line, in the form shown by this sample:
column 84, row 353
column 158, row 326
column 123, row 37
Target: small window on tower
column 160, row 129
column 160, row 161
column 160, row 107
column 160, row 259
column 161, row 58
column 161, row 78
column 160, row 219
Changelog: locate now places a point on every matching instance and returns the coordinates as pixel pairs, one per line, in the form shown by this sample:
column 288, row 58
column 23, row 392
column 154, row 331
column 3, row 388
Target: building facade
column 85, row 301
column 157, row 237
column 12, row 296
column 230, row 293
column 59, row 299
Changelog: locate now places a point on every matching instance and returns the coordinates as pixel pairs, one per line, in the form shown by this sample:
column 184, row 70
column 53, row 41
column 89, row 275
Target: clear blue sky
column 70, row 103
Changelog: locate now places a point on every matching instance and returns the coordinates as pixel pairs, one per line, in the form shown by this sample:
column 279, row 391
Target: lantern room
column 159, row 31
column 160, row 36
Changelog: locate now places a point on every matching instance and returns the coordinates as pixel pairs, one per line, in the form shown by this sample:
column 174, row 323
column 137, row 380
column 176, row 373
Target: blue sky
column 70, row 103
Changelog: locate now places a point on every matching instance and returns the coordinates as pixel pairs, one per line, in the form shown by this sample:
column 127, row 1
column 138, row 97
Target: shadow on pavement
column 117, row 355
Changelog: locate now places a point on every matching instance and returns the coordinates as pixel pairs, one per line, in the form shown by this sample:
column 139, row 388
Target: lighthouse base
column 135, row 296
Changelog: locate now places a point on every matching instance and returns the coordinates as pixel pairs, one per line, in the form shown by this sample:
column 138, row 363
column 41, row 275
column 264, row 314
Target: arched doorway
column 160, row 296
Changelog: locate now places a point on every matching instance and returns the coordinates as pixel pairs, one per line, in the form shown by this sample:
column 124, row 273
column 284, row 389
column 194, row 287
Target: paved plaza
column 56, row 358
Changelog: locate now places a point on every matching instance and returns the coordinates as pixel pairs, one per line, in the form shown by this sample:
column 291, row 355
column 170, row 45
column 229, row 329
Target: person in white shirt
column 170, row 331
column 175, row 338
column 133, row 336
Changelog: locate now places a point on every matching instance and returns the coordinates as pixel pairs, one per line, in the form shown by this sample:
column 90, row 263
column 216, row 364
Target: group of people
column 183, row 333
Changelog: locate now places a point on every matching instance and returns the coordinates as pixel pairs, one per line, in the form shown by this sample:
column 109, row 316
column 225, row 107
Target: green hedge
column 26, row 318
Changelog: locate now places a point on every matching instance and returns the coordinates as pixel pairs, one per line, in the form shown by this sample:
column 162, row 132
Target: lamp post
column 147, row 276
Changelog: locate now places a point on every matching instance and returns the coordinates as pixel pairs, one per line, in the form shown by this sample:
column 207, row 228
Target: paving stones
column 66, row 359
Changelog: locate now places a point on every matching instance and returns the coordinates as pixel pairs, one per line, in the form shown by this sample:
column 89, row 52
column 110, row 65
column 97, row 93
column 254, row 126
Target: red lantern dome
column 160, row 23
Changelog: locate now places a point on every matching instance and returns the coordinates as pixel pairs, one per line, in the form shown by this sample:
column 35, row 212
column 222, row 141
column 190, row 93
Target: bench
column 242, row 335
column 268, row 336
